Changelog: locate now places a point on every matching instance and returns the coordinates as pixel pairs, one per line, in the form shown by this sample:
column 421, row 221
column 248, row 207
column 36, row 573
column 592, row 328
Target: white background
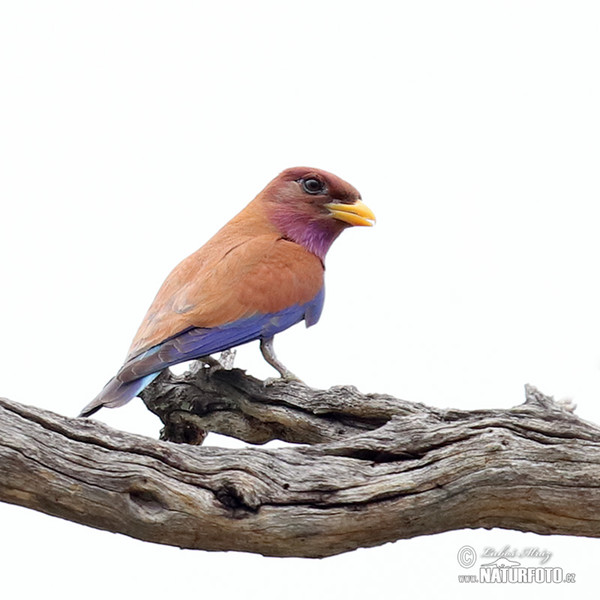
column 131, row 131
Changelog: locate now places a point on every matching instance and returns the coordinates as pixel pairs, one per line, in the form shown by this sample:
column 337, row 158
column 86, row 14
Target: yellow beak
column 355, row 214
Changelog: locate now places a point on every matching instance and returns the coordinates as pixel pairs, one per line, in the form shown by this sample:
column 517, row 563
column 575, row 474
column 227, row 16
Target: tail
column 116, row 393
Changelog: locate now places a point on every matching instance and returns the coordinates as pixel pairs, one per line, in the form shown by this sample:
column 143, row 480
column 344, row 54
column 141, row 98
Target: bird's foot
column 266, row 348
column 212, row 365
column 288, row 377
column 227, row 358
column 205, row 362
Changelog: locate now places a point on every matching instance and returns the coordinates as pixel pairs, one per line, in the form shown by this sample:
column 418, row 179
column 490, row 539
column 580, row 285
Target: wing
column 197, row 342
column 140, row 370
column 224, row 283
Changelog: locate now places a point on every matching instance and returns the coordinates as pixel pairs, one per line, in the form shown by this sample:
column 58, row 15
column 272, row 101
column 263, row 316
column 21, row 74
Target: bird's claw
column 286, row 378
column 212, row 365
column 227, row 358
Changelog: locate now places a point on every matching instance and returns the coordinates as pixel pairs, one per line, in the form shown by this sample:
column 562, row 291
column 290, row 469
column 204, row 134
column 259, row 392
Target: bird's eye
column 313, row 186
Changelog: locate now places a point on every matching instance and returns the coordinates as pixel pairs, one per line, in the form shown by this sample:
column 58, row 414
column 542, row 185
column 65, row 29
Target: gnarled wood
column 376, row 469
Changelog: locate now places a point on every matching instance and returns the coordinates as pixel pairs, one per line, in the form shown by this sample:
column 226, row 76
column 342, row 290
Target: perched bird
column 260, row 274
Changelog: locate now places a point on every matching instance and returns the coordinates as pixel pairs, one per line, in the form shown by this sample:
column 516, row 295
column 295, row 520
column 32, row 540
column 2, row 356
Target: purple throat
column 316, row 235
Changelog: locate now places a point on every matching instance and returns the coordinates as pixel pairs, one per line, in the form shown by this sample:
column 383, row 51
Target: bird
column 261, row 273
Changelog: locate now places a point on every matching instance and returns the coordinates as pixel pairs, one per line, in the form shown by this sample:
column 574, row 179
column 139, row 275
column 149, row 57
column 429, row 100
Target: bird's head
column 312, row 207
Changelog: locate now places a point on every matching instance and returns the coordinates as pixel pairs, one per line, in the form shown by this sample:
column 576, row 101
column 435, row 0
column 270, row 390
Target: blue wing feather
column 193, row 343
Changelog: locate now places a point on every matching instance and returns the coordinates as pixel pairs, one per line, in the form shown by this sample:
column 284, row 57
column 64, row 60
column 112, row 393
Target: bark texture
column 371, row 468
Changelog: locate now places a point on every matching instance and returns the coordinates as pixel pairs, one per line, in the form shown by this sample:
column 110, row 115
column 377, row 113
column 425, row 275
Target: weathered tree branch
column 376, row 469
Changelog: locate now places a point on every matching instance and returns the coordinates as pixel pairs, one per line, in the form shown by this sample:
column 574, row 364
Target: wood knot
column 146, row 500
column 233, row 497
column 183, row 431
